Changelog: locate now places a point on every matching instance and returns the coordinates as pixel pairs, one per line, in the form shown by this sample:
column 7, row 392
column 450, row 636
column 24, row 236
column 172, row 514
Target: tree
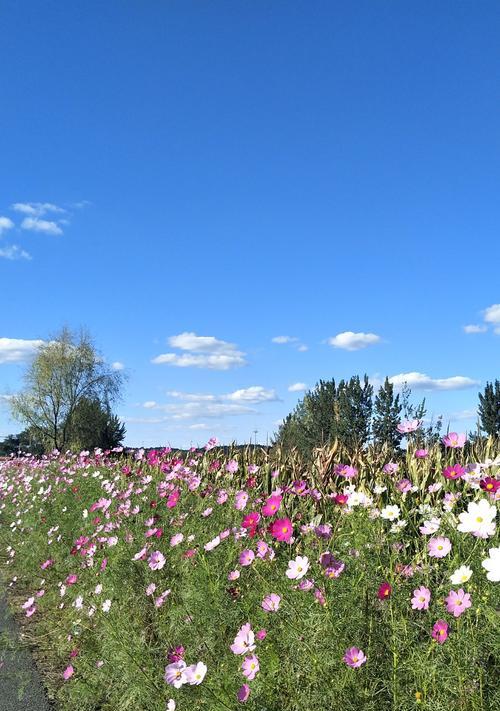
column 387, row 415
column 64, row 372
column 94, row 425
column 25, row 441
column 354, row 412
column 489, row 409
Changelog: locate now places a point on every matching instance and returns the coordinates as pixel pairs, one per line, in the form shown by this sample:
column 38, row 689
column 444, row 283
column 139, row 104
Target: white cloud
column 5, row 224
column 16, row 350
column 475, row 328
column 197, row 410
column 253, row 394
column 463, row 415
column 34, row 224
column 203, row 352
column 420, row 381
column 199, row 426
column 36, row 209
column 117, row 365
column 13, row 252
column 302, row 348
column 492, row 314
column 297, row 387
column 284, row 339
column 150, row 404
column 350, row 341
column 5, row 398
column 193, row 397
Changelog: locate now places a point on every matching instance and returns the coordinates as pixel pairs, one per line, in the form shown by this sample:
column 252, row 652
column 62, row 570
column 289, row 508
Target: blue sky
column 198, row 179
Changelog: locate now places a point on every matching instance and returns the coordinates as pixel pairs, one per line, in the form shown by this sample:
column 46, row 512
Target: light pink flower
column 250, row 667
column 457, row 602
column 271, row 603
column 156, row 560
column 354, row 657
column 439, row 547
column 244, row 641
column 246, row 557
column 297, row 568
column 176, row 539
column 421, row 598
column 454, row 440
column 68, row 672
column 175, row 674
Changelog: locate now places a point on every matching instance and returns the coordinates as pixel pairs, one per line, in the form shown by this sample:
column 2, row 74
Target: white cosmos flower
column 297, row 568
column 479, row 519
column 195, row 673
column 106, row 605
column 461, row 575
column 391, row 512
column 492, row 565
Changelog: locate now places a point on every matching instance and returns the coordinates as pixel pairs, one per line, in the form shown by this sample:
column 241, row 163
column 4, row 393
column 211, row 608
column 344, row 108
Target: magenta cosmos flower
column 156, row 560
column 282, row 529
column 271, row 603
column 421, row 453
column 457, row 602
column 68, row 672
column 345, row 470
column 440, row 631
column 421, row 598
column 439, row 547
column 250, row 667
column 453, row 472
column 243, row 693
column 454, row 440
column 384, row 591
column 272, row 505
column 354, row 657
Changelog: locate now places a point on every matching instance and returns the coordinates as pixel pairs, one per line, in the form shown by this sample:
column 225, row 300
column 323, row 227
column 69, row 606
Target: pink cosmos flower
column 354, row 657
column 390, row 468
column 173, row 499
column 407, row 426
column 222, row 497
column 233, row 575
column 440, row 631
column 71, row 579
column 384, row 591
column 282, row 529
column 421, row 598
column 272, row 505
column 439, row 547
column 156, row 560
column 430, row 526
column 195, row 673
column 68, row 672
column 453, row 472
column 421, row 453
column 175, row 674
column 176, row 539
column 261, row 634
column 240, row 500
column 150, row 589
column 212, row 544
column 404, row 486
column 250, row 667
column 47, row 564
column 232, row 466
column 244, row 641
column 457, row 602
column 454, row 440
column 246, row 557
column 271, row 603
column 345, row 470
column 141, row 555
column 243, row 693
column 262, row 549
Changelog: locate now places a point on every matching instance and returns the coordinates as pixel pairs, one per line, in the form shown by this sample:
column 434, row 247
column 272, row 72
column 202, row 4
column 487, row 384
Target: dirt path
column 21, row 688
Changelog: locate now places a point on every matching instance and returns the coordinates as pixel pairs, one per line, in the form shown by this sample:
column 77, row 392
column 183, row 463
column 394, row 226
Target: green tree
column 354, row 412
column 94, row 425
column 489, row 409
column 387, row 415
column 65, row 371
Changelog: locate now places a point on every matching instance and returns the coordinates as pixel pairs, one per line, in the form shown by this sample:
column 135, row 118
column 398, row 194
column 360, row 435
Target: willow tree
column 65, row 371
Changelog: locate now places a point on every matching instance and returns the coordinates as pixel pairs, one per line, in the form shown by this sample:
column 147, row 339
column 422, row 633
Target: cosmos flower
column 243, row 693
column 461, row 575
column 156, row 560
column 492, row 565
column 244, row 641
column 246, row 557
column 354, row 657
column 440, row 631
column 250, row 667
column 272, row 505
column 454, row 440
column 271, row 603
column 391, row 512
column 457, row 602
column 407, row 426
column 384, row 591
column 175, row 674
column 479, row 519
column 297, row 568
column 454, row 472
column 421, row 598
column 282, row 529
column 195, row 673
column 439, row 547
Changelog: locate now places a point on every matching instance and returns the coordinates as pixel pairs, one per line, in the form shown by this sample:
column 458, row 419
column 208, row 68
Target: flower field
column 152, row 581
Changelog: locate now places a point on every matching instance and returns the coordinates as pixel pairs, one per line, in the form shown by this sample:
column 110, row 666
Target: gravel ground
column 21, row 688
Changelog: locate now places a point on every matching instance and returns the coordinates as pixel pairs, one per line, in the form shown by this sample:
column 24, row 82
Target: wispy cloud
column 202, row 352
column 290, row 340
column 421, row 381
column 5, row 224
column 475, row 328
column 37, row 209
column 117, row 365
column 297, row 387
column 13, row 252
column 492, row 315
column 350, row 341
column 35, row 224
column 17, row 350
column 253, row 394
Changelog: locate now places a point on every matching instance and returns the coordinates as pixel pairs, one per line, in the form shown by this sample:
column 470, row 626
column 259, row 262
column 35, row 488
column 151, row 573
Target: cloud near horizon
column 421, row 381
